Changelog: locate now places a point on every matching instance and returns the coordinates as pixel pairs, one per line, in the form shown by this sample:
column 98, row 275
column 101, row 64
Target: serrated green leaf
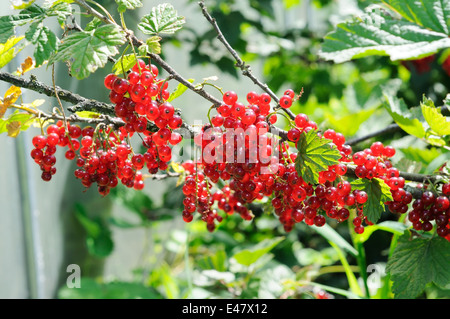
column 87, row 51
column 6, row 28
column 124, row 63
column 180, row 89
column 408, row 121
column 151, row 46
column 380, row 33
column 249, row 256
column 437, row 122
column 433, row 15
column 45, row 41
column 162, row 19
column 378, row 193
column 129, row 4
column 93, row 24
column 314, row 155
column 8, row 50
column 417, row 262
column 32, row 14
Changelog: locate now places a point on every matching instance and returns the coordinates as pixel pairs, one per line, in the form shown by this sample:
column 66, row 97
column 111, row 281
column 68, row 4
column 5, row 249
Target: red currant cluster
column 103, row 154
column 142, row 99
column 430, row 207
column 45, row 148
column 245, row 179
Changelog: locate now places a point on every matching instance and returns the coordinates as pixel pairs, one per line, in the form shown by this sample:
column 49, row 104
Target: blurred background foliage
column 280, row 40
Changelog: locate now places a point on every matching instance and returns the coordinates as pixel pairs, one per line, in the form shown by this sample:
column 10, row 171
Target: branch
column 387, row 130
column 245, row 68
column 81, row 103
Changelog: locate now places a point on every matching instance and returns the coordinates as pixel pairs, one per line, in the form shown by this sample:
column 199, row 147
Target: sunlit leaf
column 315, row 155
column 11, row 95
column 378, row 193
column 162, row 19
column 422, row 31
column 9, row 50
column 87, row 51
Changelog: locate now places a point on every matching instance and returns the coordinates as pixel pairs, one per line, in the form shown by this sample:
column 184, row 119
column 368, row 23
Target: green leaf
column 32, row 13
column 432, row 14
column 404, row 117
column 180, row 89
column 215, row 261
column 151, row 46
column 389, row 226
column 315, row 155
column 93, row 24
column 45, row 40
column 98, row 239
column 162, row 19
column 8, row 50
column 124, row 63
column 247, row 257
column 87, row 51
column 23, row 120
column 6, row 28
column 438, row 123
column 417, row 262
column 129, row 4
column 349, row 124
column 422, row 31
column 424, row 156
column 378, row 193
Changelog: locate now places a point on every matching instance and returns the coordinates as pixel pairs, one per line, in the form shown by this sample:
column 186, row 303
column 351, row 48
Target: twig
column 245, row 68
column 387, row 130
column 94, row 12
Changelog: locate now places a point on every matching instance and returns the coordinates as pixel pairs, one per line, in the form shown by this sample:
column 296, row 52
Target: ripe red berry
column 286, row 101
column 230, row 97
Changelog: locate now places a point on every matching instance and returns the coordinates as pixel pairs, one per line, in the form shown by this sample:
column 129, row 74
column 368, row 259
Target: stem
column 95, row 13
column 387, row 130
column 361, row 260
column 245, row 68
column 57, row 97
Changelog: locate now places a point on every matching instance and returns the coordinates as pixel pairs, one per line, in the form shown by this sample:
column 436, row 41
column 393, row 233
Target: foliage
column 396, row 72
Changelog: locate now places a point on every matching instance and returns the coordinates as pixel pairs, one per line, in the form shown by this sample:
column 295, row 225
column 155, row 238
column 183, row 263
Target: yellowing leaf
column 37, row 103
column 88, row 114
column 11, row 95
column 13, row 128
column 8, row 50
column 26, row 66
